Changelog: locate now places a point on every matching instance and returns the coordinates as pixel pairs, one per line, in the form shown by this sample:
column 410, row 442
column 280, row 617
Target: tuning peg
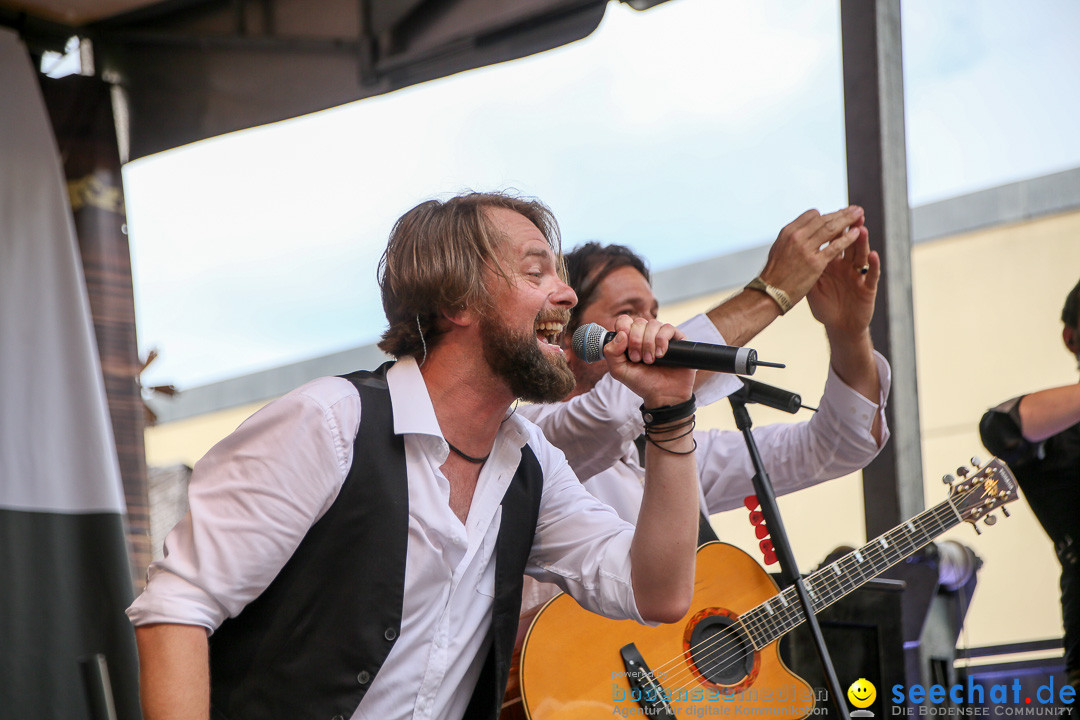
column 991, row 519
column 977, row 530
column 976, row 461
column 948, row 479
column 1005, row 512
column 962, row 471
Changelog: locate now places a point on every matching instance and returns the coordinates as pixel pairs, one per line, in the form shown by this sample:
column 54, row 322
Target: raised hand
column 843, row 297
column 807, row 245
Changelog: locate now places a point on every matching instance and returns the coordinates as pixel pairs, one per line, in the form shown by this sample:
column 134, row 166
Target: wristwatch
column 775, row 293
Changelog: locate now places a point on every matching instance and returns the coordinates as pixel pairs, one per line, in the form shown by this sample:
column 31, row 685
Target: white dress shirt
column 254, row 496
column 596, row 430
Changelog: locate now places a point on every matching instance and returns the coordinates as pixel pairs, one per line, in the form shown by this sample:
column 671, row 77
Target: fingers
column 873, row 273
column 645, row 339
column 817, row 232
column 859, row 251
column 855, row 264
column 631, row 361
column 803, row 220
column 809, row 244
column 640, row 348
column 839, row 230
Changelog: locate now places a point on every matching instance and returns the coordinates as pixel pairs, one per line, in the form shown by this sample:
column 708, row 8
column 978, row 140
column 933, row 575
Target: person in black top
column 1038, row 435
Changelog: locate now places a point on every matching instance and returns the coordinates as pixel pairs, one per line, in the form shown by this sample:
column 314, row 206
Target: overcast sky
column 691, row 130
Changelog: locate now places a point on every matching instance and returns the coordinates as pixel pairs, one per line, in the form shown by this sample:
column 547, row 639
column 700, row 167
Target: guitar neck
column 783, row 612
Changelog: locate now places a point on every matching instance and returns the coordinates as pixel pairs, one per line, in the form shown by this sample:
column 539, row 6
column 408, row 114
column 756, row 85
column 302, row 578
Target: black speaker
column 864, row 636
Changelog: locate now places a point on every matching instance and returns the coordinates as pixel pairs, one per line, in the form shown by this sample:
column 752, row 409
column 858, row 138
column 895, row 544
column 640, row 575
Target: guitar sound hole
column 720, row 651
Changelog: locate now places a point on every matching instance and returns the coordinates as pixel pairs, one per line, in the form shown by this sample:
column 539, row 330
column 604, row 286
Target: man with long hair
column 356, row 548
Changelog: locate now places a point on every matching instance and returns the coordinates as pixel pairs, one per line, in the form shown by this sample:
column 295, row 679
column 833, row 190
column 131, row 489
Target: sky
column 691, row 130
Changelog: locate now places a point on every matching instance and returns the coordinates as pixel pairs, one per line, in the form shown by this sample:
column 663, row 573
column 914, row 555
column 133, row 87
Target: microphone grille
column 588, row 342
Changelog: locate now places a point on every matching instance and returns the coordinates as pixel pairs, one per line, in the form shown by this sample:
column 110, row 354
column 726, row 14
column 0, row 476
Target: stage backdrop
column 64, row 574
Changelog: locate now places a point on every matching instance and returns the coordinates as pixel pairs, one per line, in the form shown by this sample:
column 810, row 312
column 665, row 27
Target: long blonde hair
column 436, row 260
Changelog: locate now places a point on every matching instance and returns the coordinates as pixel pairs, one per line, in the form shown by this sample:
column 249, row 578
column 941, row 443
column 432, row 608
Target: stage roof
column 193, row 69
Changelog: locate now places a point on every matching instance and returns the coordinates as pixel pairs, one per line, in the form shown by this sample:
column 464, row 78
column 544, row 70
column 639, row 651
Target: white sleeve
column 581, row 545
column 834, row 442
column 252, row 498
column 594, row 429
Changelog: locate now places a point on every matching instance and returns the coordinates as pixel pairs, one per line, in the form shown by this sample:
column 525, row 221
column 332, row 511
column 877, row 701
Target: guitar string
column 778, row 623
column 944, row 515
column 657, row 690
column 898, row 542
column 937, row 520
column 831, row 586
column 791, row 616
column 745, row 629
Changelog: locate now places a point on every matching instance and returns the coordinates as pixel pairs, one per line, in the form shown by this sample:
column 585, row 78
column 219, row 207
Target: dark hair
column 435, row 261
column 586, row 267
column 1070, row 313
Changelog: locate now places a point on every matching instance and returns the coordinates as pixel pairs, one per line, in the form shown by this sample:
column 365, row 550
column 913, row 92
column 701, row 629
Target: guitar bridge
column 644, row 687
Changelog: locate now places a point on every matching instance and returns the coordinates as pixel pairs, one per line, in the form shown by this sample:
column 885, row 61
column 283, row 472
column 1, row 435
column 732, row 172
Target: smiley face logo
column 862, row 693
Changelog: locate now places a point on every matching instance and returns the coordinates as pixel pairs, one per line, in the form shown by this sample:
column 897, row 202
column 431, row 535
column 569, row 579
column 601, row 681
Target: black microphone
column 770, row 396
column 590, row 339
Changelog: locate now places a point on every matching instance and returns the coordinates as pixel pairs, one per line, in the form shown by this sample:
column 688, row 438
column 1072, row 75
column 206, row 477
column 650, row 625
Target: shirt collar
column 414, row 413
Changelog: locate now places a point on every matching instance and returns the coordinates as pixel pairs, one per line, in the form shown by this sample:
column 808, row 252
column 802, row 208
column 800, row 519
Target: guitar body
column 572, row 665
column 721, row 658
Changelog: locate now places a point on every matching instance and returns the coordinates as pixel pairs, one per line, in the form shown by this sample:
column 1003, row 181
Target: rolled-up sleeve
column 581, row 544
column 1002, row 433
column 252, row 498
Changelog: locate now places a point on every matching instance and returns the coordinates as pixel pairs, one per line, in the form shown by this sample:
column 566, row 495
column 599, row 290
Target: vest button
column 363, row 677
column 390, row 634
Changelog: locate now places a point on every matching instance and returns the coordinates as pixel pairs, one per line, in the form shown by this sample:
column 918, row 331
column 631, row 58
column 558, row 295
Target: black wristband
column 656, row 444
column 668, row 413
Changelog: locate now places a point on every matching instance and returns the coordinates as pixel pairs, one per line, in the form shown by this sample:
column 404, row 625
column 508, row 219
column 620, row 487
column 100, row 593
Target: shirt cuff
column 171, row 599
column 851, row 408
column 715, row 386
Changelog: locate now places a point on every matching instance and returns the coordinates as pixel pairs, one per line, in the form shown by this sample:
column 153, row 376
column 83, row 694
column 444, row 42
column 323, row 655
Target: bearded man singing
column 356, row 548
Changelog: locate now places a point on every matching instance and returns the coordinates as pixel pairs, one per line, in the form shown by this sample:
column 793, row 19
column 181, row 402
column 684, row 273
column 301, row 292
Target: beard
column 531, row 374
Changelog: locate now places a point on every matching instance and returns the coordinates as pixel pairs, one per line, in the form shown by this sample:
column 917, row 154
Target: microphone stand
column 753, row 391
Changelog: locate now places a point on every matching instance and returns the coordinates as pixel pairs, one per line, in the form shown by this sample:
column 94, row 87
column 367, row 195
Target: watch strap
column 779, row 296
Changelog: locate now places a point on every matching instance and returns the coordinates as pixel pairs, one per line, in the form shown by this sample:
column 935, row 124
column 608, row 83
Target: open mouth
column 550, row 332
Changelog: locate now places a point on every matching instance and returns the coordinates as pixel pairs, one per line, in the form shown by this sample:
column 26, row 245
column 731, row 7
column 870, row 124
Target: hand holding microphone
column 630, row 360
column 589, row 341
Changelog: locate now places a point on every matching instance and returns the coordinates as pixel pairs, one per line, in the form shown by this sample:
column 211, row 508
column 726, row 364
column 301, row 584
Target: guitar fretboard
column 782, row 613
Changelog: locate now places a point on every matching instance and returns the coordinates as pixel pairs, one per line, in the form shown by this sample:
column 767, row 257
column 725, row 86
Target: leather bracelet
column 668, row 413
column 779, row 296
column 656, row 444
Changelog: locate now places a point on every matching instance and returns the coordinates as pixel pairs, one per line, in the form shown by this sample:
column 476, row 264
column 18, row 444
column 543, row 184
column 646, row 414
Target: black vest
column 312, row 642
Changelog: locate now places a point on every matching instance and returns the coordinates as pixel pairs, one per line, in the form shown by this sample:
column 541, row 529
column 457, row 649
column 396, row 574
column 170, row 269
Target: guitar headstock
column 974, row 496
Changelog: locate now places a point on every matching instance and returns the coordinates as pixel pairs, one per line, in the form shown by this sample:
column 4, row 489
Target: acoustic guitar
column 722, row 657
